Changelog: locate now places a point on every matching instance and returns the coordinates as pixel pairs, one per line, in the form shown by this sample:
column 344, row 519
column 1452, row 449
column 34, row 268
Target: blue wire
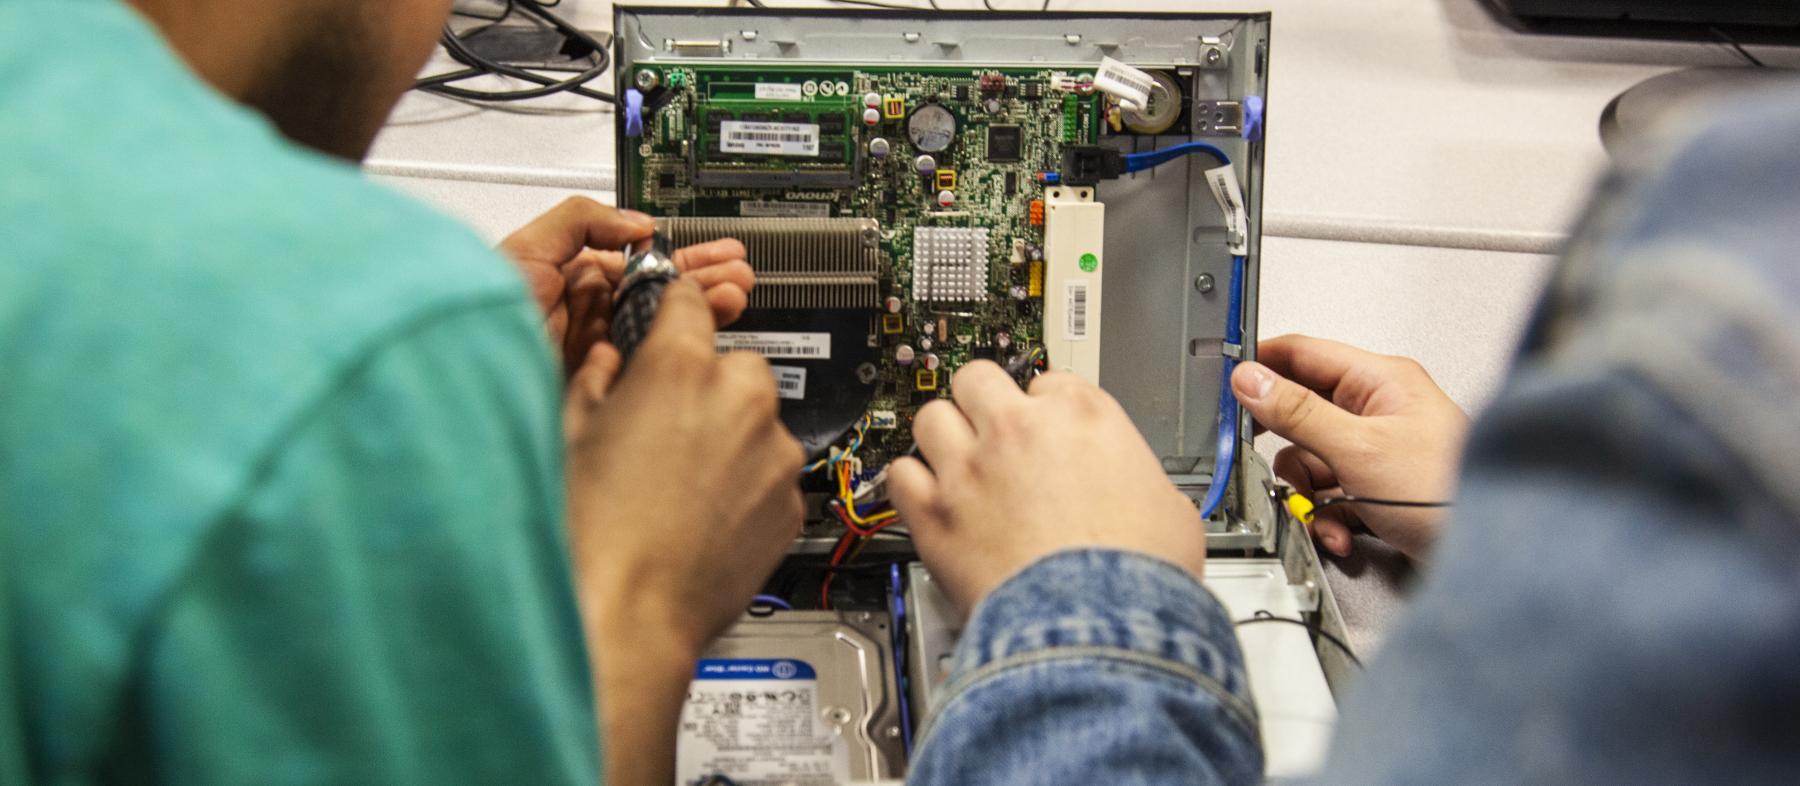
column 1225, row 458
column 898, row 602
column 1138, row 162
column 771, row 600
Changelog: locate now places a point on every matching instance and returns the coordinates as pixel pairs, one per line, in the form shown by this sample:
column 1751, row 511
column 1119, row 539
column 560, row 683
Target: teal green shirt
column 280, row 479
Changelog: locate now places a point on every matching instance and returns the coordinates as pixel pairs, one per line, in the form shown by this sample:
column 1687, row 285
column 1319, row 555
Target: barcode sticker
column 762, row 209
column 790, row 382
column 1224, row 184
column 1076, row 293
column 772, row 91
column 1131, row 86
column 769, row 139
column 800, row 346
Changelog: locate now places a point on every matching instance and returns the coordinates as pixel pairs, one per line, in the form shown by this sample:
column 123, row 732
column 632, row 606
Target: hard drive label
column 758, row 722
column 798, row 346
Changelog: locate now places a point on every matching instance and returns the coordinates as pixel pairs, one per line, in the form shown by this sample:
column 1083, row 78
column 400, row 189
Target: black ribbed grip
column 636, row 310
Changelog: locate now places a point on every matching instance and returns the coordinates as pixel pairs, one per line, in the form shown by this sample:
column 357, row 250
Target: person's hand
column 1362, row 424
column 683, row 483
column 684, row 494
column 1017, row 476
column 571, row 262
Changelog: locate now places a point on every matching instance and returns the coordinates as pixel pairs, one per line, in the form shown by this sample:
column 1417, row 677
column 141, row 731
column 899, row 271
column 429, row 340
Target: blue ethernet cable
column 1225, row 458
column 1138, row 162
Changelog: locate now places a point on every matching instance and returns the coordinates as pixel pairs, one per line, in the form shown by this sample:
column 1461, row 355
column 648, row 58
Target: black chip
column 796, row 117
column 831, row 124
column 962, row 92
column 1004, row 143
column 1031, row 90
column 831, row 151
column 982, row 353
column 666, row 180
column 756, row 117
column 713, row 119
column 1012, row 182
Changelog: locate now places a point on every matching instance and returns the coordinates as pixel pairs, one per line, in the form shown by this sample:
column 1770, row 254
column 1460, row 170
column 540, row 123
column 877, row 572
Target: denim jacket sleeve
column 1094, row 666
column 1617, row 599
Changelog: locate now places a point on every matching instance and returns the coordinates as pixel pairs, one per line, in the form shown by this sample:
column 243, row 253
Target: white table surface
column 1423, row 164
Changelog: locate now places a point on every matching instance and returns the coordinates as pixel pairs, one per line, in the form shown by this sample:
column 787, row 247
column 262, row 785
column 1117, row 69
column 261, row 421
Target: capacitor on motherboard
column 904, row 355
column 925, row 165
column 926, row 344
column 872, row 100
column 991, row 106
column 871, row 116
column 1002, row 340
column 932, row 361
column 946, row 198
column 1019, row 292
column 892, row 304
column 879, row 147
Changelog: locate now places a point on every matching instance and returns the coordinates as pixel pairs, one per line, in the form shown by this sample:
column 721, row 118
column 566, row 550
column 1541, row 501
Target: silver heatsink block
column 950, row 264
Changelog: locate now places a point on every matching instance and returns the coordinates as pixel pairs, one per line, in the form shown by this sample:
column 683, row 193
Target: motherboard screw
column 1204, row 283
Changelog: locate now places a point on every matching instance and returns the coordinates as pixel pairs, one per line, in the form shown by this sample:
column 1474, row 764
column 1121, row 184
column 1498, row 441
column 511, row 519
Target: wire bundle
column 456, row 45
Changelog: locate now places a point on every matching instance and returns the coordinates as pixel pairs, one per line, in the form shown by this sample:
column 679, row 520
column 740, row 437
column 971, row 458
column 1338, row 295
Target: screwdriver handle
column 636, row 311
column 649, row 267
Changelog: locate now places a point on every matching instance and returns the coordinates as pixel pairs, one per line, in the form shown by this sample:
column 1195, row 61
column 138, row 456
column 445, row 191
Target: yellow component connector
column 891, row 324
column 926, row 379
column 893, row 107
column 946, row 180
column 1035, row 284
column 1300, row 508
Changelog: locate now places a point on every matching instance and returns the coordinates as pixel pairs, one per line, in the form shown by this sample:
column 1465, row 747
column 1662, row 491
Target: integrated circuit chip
column 1004, row 143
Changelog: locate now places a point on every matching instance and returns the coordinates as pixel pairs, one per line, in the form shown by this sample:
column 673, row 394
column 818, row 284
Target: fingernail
column 1252, row 381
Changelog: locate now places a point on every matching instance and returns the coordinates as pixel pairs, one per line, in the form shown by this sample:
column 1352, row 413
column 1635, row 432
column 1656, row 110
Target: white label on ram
column 798, row 346
column 774, row 91
column 769, row 139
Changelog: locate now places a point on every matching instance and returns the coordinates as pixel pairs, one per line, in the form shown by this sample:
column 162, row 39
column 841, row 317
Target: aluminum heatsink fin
column 800, row 263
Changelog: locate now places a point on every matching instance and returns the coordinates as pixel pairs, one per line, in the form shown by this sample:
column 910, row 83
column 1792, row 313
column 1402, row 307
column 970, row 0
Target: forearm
column 642, row 683
column 1095, row 667
column 641, row 670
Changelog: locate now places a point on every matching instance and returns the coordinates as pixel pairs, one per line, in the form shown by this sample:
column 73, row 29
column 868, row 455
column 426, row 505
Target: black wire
column 1264, row 616
column 476, row 65
column 1346, row 499
column 1732, row 42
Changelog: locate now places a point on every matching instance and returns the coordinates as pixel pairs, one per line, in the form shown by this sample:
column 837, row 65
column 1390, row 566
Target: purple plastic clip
column 1253, row 118
column 634, row 113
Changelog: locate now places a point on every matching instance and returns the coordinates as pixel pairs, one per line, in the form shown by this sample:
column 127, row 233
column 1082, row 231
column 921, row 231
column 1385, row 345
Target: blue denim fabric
column 1617, row 599
column 1094, row 667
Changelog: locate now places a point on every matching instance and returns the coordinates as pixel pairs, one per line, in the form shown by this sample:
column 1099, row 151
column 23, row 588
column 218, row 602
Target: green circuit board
column 787, row 141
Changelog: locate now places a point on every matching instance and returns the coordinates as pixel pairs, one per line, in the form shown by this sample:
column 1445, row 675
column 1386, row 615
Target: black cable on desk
column 476, row 65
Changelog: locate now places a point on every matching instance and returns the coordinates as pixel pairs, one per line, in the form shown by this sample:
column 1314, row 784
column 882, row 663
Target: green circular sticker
column 1089, row 262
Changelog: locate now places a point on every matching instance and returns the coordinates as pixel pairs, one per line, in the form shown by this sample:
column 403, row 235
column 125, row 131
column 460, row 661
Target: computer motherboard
column 894, row 216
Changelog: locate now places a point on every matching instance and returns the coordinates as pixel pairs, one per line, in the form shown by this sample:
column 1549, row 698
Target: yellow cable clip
column 1300, row 507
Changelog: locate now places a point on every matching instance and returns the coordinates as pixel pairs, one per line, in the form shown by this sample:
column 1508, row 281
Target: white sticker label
column 790, row 382
column 1076, row 292
column 1224, row 184
column 770, row 91
column 784, row 209
column 769, row 139
column 802, row 346
column 1131, row 86
column 757, row 722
